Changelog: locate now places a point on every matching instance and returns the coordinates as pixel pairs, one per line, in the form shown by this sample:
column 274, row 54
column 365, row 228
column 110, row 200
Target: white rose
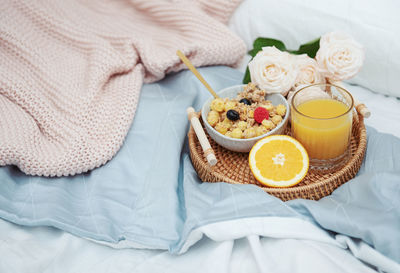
column 273, row 70
column 339, row 56
column 307, row 71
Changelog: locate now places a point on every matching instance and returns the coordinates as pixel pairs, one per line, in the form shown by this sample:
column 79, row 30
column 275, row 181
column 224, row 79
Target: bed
column 217, row 228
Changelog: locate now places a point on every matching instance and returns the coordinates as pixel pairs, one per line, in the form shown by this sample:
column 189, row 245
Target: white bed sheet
column 44, row 249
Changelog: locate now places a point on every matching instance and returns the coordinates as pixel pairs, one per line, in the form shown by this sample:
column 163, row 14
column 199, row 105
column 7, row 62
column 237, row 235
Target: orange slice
column 278, row 161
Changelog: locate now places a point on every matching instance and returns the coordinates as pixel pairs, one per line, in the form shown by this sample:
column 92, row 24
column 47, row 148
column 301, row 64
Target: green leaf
column 309, row 48
column 261, row 42
column 253, row 52
column 247, row 78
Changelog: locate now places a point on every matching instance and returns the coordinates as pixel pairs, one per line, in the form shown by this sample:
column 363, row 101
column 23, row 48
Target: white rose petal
column 273, row 70
column 339, row 57
column 333, row 37
column 308, row 72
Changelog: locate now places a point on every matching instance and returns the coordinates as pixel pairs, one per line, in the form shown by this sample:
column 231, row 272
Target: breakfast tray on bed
column 233, row 167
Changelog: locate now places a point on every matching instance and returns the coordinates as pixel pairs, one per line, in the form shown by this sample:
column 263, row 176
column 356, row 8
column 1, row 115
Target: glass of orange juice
column 321, row 120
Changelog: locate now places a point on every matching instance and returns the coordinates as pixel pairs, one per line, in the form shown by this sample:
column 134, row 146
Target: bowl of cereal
column 243, row 115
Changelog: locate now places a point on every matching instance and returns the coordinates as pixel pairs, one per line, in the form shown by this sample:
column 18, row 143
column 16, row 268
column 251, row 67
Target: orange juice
column 323, row 127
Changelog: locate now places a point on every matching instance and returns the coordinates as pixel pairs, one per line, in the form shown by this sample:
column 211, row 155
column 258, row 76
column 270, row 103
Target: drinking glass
column 321, row 120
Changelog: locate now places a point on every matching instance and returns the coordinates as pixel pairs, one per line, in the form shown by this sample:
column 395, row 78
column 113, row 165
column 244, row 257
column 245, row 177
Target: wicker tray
column 233, row 167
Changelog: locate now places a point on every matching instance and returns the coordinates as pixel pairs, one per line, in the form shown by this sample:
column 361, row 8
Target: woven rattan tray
column 233, row 167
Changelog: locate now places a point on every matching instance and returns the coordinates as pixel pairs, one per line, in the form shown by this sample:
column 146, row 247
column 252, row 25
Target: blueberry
column 245, row 101
column 232, row 115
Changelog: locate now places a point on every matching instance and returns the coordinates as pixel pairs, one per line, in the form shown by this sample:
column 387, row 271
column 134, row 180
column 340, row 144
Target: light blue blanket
column 150, row 194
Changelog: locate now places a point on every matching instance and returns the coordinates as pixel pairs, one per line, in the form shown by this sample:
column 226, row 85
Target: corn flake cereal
column 235, row 117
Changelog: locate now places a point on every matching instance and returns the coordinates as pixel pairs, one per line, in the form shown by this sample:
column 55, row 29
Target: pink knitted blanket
column 71, row 72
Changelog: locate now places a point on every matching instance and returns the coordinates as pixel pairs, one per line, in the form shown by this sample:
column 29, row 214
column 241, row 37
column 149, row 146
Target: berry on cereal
column 245, row 101
column 232, row 115
column 260, row 114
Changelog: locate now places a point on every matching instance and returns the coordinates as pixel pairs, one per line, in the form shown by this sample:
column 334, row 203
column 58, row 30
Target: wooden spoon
column 195, row 72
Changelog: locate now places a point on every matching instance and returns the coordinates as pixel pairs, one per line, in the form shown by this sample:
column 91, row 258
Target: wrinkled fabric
column 150, row 196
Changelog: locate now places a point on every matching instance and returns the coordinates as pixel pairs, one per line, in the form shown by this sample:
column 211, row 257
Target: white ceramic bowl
column 242, row 145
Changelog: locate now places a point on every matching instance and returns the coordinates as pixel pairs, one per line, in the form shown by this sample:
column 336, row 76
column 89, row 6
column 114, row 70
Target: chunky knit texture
column 71, row 72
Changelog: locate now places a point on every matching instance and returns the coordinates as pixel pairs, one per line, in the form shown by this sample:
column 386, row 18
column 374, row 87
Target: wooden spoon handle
column 205, row 144
column 195, row 72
